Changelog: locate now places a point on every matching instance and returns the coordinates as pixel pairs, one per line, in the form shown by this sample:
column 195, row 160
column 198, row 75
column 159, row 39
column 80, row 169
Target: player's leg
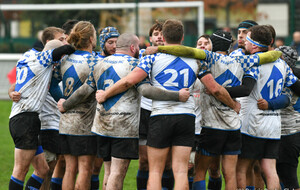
column 117, row 174
column 68, row 182
column 167, row 180
column 157, row 159
column 85, row 168
column 22, row 162
column 202, row 163
column 269, row 168
column 95, row 175
column 215, row 177
column 41, row 169
column 58, row 173
column 24, row 129
column 241, row 171
column 268, row 163
column 143, row 171
column 229, row 171
column 107, row 165
column 181, row 156
column 287, row 162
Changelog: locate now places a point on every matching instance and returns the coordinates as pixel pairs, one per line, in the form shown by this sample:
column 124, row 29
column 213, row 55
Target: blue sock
column 199, row 185
column 250, row 187
column 191, row 179
column 34, row 182
column 282, row 185
column 142, row 179
column 15, row 184
column 56, row 183
column 95, row 182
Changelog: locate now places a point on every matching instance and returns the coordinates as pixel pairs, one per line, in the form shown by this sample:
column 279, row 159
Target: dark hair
column 50, row 32
column 157, row 26
column 80, row 34
column 247, row 24
column 67, row 26
column 262, row 35
column 206, row 36
column 173, row 31
column 273, row 33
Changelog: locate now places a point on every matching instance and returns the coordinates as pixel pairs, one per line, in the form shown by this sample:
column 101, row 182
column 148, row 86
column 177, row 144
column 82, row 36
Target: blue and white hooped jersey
column 73, row 71
column 119, row 115
column 146, row 103
column 290, row 116
column 228, row 71
column 272, row 80
column 34, row 71
column 169, row 72
column 50, row 114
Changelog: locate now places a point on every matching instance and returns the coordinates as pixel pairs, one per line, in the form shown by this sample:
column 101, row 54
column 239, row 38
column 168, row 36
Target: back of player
column 266, row 123
column 120, row 111
column 74, row 71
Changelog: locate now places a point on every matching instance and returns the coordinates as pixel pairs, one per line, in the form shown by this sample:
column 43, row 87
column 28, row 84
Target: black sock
column 15, row 184
column 215, row 183
column 167, row 180
column 34, row 182
column 142, row 179
column 95, row 182
column 56, row 183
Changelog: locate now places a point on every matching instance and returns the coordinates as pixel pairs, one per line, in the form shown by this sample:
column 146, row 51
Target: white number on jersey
column 170, row 81
column 22, row 74
column 277, row 89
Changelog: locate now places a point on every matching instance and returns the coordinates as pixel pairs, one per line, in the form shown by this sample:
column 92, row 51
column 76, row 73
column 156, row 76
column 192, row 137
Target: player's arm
column 79, row 96
column 279, row 102
column 218, row 91
column 57, row 53
column 55, row 90
column 242, row 90
column 154, row 93
column 135, row 76
column 178, row 50
column 14, row 95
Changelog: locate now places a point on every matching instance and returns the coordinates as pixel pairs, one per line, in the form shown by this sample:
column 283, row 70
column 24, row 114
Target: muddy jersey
column 119, row 115
column 266, row 123
column 146, row 103
column 169, row 72
column 228, row 71
column 34, row 71
column 290, row 116
column 50, row 114
column 73, row 71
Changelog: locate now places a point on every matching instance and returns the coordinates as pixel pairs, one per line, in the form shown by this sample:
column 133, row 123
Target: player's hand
column 184, row 94
column 15, row 96
column 100, row 96
column 60, row 105
column 262, row 104
column 237, row 107
column 150, row 50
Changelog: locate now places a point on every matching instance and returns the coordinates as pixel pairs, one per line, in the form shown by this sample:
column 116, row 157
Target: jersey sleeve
column 45, row 58
column 290, row 77
column 147, row 62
